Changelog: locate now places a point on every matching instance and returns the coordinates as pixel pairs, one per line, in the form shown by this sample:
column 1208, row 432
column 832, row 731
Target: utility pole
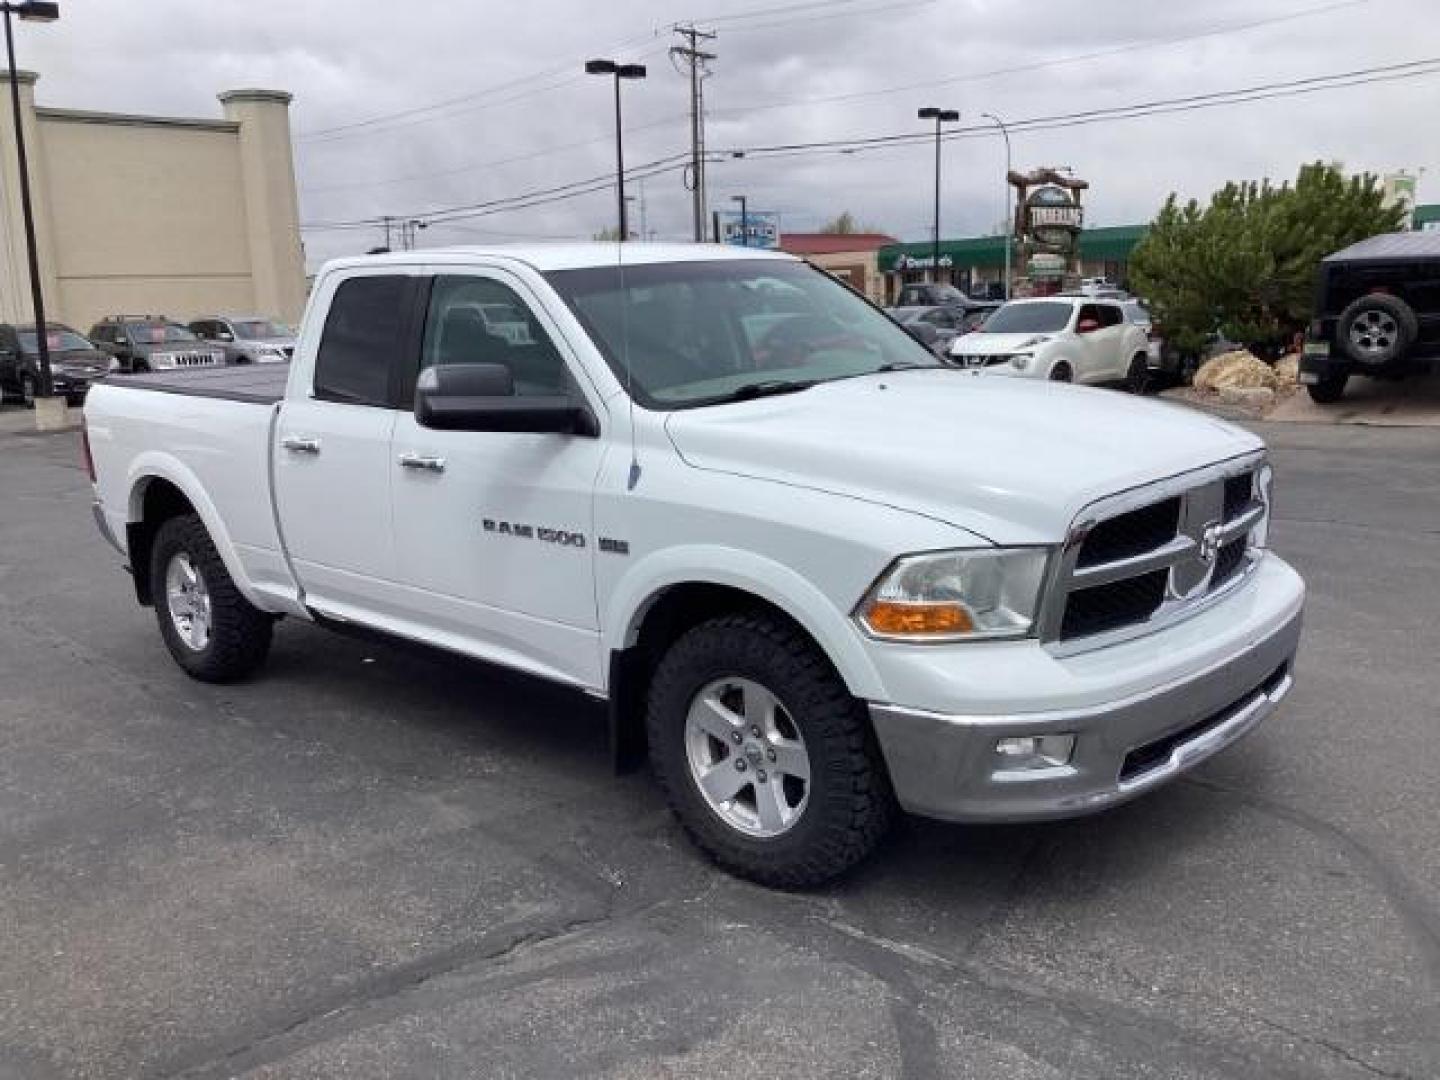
column 696, row 59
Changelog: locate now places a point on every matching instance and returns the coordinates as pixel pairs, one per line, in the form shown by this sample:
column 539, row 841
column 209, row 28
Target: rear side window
column 1111, row 315
column 363, row 340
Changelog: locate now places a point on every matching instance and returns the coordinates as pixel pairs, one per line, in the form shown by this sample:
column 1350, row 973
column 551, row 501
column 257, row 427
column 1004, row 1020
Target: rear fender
column 152, row 465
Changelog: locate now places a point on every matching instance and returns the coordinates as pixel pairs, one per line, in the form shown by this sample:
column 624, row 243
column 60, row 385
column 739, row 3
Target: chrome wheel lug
column 739, row 764
column 755, row 730
column 760, row 775
column 770, row 753
column 738, row 738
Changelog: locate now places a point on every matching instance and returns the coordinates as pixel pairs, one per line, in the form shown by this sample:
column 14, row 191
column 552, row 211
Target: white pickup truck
column 816, row 573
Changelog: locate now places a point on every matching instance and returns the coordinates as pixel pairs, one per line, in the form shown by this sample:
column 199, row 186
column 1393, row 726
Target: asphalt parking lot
column 371, row 862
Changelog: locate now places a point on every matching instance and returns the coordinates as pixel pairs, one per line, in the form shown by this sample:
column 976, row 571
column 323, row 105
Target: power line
column 1039, row 65
column 439, row 214
column 558, row 77
column 1261, row 92
column 1287, row 88
column 494, row 163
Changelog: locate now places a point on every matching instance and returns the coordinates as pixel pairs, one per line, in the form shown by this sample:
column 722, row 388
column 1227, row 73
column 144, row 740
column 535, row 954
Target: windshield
column 255, row 329
column 157, row 333
column 696, row 333
column 55, row 341
column 1038, row 317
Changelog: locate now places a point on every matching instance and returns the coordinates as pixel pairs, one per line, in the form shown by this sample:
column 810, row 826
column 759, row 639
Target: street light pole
column 619, row 71
column 744, row 218
column 33, row 11
column 1009, row 218
column 940, row 116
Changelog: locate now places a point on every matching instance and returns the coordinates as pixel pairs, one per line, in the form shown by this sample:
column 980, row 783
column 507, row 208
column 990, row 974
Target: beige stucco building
column 152, row 215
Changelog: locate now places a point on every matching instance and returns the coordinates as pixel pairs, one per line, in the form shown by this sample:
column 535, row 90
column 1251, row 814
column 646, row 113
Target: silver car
column 247, row 339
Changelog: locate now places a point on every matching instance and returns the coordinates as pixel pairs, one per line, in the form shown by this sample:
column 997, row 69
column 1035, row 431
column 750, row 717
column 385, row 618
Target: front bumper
column 945, row 765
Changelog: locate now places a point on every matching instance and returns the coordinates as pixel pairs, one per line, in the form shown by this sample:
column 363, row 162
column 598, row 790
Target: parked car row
column 131, row 344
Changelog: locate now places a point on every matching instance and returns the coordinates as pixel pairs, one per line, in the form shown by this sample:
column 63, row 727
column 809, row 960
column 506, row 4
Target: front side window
column 477, row 320
column 1032, row 317
column 685, row 334
column 256, row 329
column 362, row 340
column 157, row 333
column 55, row 341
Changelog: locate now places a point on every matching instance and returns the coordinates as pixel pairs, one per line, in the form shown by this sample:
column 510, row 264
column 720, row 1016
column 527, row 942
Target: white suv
column 1062, row 338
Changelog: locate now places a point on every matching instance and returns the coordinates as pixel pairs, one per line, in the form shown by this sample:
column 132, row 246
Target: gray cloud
column 348, row 62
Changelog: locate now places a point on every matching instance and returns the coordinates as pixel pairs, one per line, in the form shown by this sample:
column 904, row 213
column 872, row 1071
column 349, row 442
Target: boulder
column 1238, row 369
column 1259, row 398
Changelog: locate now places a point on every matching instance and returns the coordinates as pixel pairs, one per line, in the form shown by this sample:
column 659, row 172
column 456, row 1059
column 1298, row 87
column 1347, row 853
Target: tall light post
column 744, row 218
column 1009, row 218
column 619, row 71
column 940, row 116
column 31, row 11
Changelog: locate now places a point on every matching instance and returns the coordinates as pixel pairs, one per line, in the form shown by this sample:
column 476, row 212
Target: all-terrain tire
column 240, row 633
column 849, row 805
column 1328, row 390
column 1137, row 379
column 1397, row 317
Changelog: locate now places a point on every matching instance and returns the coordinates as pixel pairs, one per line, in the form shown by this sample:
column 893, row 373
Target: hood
column 1011, row 460
column 268, row 342
column 89, row 362
column 982, row 344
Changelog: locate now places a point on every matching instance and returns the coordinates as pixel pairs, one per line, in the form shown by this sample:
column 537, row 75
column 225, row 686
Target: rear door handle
column 300, row 444
column 422, row 461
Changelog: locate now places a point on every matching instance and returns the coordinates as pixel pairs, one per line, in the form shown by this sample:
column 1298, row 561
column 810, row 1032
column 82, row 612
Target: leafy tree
column 610, row 232
column 1246, row 264
column 845, row 224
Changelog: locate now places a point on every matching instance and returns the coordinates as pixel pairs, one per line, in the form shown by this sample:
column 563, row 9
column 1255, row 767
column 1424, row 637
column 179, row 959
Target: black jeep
column 1377, row 313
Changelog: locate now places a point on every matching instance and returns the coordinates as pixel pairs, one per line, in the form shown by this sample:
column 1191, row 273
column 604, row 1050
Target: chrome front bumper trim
column 944, row 765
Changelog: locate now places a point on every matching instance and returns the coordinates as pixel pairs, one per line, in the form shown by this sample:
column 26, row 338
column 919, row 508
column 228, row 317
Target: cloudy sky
column 415, row 106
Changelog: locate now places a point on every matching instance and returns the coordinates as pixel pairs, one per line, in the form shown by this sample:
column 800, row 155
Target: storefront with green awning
column 974, row 264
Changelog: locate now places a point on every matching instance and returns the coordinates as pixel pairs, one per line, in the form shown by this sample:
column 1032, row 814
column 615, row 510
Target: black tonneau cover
column 263, row 384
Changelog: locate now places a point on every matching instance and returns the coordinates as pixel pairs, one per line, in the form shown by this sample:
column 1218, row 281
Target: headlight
column 956, row 595
column 1264, row 479
column 1020, row 361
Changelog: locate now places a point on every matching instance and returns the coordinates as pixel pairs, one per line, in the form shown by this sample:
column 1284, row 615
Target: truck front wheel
column 764, row 756
column 211, row 630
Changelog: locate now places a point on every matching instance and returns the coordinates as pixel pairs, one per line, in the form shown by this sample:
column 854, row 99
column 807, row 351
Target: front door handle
column 422, row 461
column 300, row 444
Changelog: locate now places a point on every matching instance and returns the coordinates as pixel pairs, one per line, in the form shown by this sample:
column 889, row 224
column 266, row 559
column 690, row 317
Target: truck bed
column 262, row 384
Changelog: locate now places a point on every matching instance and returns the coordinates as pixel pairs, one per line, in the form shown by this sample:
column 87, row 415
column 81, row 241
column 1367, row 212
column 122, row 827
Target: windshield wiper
column 904, row 365
column 763, row 388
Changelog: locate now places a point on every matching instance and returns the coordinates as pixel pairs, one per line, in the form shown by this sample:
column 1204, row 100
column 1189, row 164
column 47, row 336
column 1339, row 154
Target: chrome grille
column 1144, row 558
column 185, row 359
column 975, row 360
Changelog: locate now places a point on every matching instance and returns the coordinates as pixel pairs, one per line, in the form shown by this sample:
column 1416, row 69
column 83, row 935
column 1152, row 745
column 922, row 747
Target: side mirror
column 924, row 333
column 481, row 397
column 1087, row 326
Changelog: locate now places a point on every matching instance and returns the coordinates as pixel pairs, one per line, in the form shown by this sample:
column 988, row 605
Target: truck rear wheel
column 211, row 630
column 1330, row 389
column 764, row 756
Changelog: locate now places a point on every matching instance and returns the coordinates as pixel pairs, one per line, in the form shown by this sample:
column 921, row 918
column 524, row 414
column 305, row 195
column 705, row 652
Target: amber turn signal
column 898, row 617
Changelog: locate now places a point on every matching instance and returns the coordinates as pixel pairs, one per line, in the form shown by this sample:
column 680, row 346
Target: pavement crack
column 1334, row 1048
column 1405, row 898
column 303, row 1028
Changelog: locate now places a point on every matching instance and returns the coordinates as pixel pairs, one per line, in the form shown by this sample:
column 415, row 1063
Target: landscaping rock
column 1259, row 398
column 1240, row 368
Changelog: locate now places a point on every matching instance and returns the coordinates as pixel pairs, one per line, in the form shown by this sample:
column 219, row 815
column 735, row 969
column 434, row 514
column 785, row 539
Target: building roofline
column 86, row 116
column 278, row 97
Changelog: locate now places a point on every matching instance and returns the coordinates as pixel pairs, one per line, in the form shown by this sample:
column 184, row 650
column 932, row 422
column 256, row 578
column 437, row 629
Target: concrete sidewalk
column 1411, row 403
